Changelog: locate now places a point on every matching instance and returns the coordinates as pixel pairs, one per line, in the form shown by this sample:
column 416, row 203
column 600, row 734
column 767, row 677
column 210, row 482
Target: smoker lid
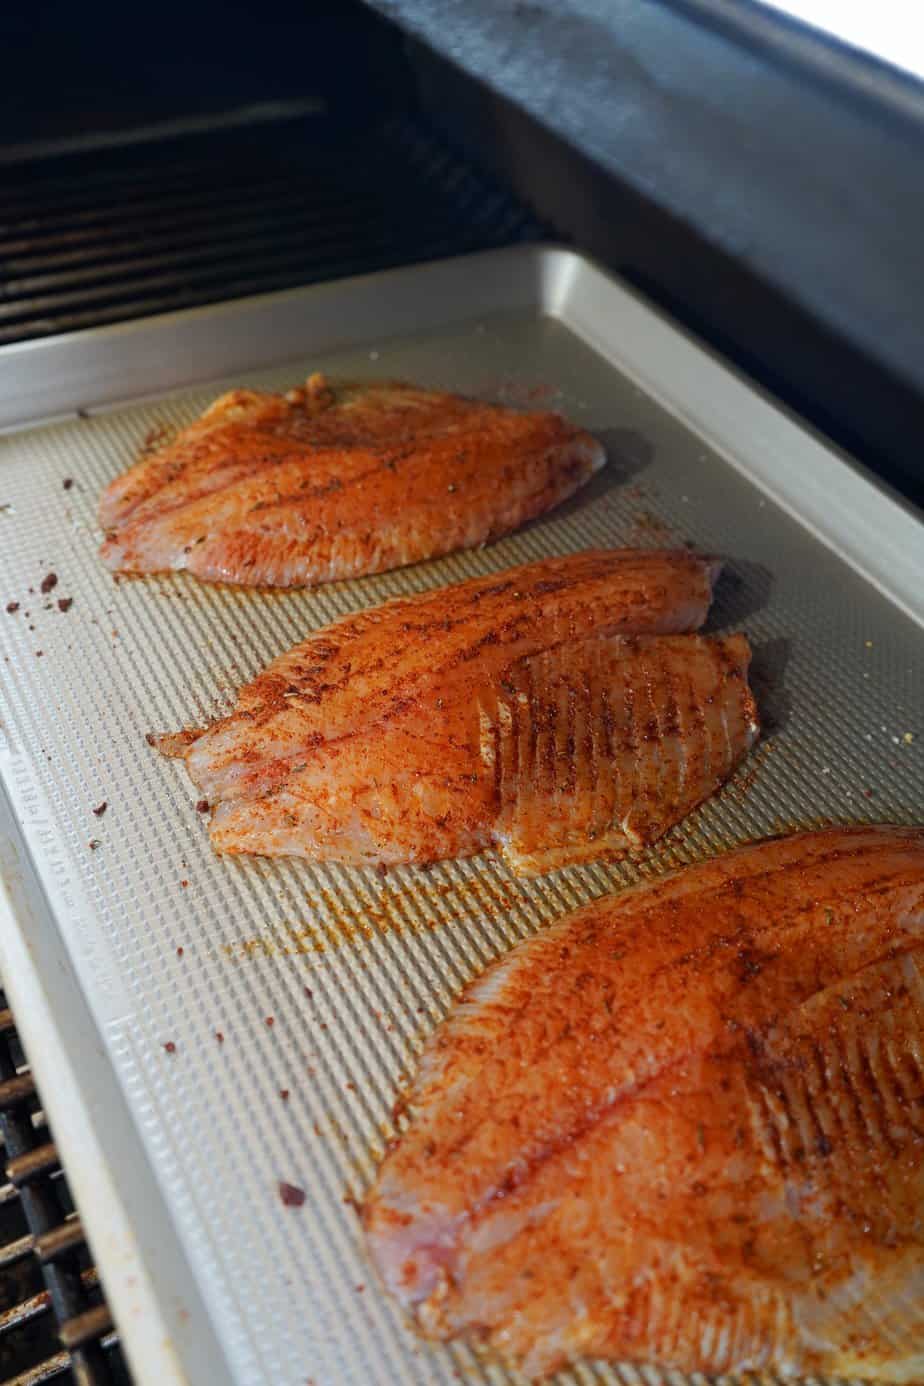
column 795, row 154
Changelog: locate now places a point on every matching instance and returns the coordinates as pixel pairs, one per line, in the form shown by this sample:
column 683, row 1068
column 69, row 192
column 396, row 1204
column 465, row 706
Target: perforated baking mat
column 254, row 1019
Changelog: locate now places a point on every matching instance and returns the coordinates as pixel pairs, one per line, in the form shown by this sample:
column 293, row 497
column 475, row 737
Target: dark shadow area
column 79, row 70
column 742, row 590
column 627, row 451
column 768, row 680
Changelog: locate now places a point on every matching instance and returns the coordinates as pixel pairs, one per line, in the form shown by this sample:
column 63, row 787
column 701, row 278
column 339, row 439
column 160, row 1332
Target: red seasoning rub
column 65, row 603
column 101, row 809
column 49, row 582
column 291, row 1195
column 683, row 1125
column 560, row 712
column 12, row 606
column 334, row 481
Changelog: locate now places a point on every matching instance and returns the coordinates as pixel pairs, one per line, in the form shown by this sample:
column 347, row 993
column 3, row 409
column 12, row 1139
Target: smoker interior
column 348, row 150
column 121, row 234
column 54, row 1322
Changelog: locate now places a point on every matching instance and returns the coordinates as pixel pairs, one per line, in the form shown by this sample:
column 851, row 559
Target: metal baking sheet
column 122, row 932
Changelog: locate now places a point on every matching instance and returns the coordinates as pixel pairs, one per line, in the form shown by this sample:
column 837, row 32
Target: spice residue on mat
column 393, row 911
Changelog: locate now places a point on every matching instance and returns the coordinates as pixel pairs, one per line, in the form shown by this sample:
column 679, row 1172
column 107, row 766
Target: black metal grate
column 102, row 236
column 54, row 1323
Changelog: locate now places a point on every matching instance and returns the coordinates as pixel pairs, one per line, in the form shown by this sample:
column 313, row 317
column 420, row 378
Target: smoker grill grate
column 54, row 1323
column 99, row 237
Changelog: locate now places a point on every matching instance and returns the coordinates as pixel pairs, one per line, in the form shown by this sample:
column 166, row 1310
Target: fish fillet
column 550, row 710
column 332, row 482
column 684, row 1125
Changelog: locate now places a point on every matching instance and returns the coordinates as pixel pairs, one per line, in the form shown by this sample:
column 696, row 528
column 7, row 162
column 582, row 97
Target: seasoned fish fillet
column 324, row 483
column 684, row 1125
column 529, row 709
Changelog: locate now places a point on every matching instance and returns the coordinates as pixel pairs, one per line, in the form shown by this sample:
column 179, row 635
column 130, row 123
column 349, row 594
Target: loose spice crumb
column 67, row 483
column 291, row 1195
column 12, row 606
column 151, row 738
column 184, row 884
column 284, row 1094
column 219, row 1036
column 39, row 653
column 101, row 808
column 65, row 603
column 179, row 951
column 49, row 581
column 93, row 843
column 270, row 1020
column 309, row 993
column 202, row 806
column 154, row 436
column 359, row 1289
column 170, row 1047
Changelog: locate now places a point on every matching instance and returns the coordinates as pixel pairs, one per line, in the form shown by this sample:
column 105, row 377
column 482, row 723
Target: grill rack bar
column 67, row 1321
column 87, row 240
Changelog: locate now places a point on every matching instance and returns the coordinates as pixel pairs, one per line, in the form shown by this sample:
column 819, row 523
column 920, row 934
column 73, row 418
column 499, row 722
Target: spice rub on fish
column 685, row 1125
column 334, row 481
column 554, row 710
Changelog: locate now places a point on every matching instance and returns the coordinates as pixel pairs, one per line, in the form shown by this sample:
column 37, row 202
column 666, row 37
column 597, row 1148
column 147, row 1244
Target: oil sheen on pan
column 561, row 711
column 334, row 481
column 684, row 1125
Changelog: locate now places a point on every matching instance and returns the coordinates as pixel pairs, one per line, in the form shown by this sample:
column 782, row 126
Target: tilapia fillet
column 332, row 482
column 554, row 710
column 684, row 1125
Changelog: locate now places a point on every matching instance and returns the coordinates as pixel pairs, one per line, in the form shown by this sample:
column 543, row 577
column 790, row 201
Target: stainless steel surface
column 297, row 997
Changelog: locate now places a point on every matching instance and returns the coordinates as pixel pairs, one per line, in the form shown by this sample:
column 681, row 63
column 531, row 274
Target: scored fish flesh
column 332, row 482
column 550, row 710
column 684, row 1125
